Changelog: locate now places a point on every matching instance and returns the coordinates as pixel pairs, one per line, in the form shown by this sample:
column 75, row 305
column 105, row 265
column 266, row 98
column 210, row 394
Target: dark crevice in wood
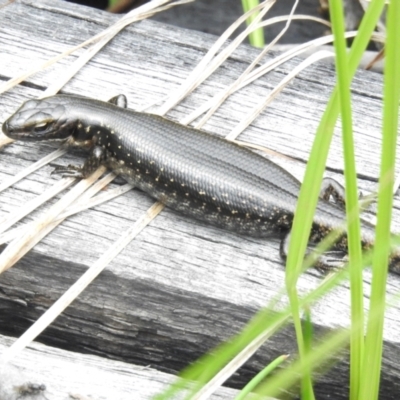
column 180, row 287
column 32, row 85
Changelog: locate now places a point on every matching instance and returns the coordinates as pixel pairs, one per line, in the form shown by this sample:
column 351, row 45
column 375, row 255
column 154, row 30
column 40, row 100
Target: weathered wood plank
column 68, row 375
column 181, row 287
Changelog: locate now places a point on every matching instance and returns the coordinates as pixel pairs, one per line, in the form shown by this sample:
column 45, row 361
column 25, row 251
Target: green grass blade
column 287, row 378
column 353, row 222
column 256, row 38
column 266, row 322
column 313, row 176
column 374, row 336
column 307, row 388
column 260, row 377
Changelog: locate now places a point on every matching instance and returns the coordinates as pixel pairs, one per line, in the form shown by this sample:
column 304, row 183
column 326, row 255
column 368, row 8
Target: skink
column 190, row 171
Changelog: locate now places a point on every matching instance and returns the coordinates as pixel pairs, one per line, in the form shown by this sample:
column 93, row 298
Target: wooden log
column 181, row 287
column 60, row 375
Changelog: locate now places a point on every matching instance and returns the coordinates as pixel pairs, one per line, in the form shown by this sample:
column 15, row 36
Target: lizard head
column 35, row 120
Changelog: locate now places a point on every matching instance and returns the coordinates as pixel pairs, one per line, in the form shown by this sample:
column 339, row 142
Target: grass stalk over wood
column 374, row 336
column 353, row 223
column 340, row 102
column 310, row 188
column 260, row 377
column 262, row 326
column 256, row 38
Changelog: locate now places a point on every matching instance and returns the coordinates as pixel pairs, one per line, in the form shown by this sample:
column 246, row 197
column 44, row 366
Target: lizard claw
column 72, row 171
column 330, row 262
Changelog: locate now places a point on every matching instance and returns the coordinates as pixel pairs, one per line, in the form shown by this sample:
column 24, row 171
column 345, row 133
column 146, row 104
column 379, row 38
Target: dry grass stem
column 80, row 194
column 139, row 13
column 133, row 16
column 225, row 373
column 264, row 69
column 76, row 207
column 31, row 205
column 226, row 93
column 96, row 200
column 4, row 140
column 256, row 112
column 70, row 295
column 17, row 248
column 261, row 148
column 96, row 187
column 35, row 166
column 297, row 51
column 208, row 63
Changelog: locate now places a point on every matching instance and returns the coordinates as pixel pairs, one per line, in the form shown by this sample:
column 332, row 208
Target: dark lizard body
column 192, row 172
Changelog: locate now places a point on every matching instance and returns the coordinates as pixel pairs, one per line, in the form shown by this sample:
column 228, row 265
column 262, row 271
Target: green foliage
column 256, row 38
column 365, row 353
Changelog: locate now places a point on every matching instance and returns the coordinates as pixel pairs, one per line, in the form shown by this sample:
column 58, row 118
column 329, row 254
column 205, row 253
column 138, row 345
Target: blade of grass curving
column 290, row 376
column 351, row 193
column 241, row 347
column 70, row 295
column 210, row 63
column 232, row 366
column 230, row 89
column 374, row 335
column 244, row 123
column 260, row 377
column 309, row 191
column 262, row 326
column 206, row 59
column 263, row 69
column 330, row 344
column 192, row 80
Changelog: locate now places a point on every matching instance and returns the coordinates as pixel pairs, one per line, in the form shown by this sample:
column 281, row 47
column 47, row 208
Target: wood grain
column 181, row 287
column 68, row 375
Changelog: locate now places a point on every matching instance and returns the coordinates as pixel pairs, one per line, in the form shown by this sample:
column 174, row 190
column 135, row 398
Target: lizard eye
column 40, row 127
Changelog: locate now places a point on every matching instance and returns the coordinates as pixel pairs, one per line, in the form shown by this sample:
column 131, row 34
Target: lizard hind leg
column 332, row 188
column 119, row 101
column 326, row 262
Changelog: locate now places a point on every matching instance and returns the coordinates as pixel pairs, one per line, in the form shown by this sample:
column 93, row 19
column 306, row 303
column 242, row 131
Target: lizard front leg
column 96, row 158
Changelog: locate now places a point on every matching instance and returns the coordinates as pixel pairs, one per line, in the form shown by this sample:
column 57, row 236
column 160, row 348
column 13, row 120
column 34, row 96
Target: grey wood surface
column 72, row 376
column 214, row 16
column 181, row 287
